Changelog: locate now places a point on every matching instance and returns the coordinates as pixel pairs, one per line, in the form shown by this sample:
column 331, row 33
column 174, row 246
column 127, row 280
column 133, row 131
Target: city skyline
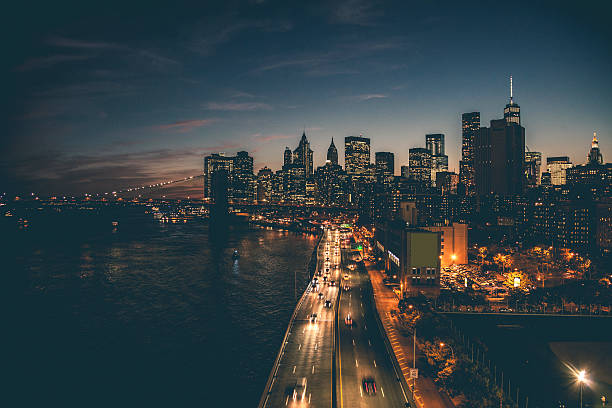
column 92, row 109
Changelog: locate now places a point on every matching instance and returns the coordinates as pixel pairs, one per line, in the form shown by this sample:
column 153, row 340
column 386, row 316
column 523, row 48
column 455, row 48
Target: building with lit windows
column 213, row 163
column 356, row 155
column 557, row 166
column 419, row 162
column 439, row 161
column 470, row 126
column 533, row 163
column 412, row 255
column 453, row 243
column 512, row 111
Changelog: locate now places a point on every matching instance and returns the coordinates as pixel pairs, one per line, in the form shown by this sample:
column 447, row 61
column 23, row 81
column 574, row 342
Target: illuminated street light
column 581, row 378
column 442, row 344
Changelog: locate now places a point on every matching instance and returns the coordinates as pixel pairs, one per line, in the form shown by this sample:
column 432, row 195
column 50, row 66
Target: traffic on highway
column 333, row 353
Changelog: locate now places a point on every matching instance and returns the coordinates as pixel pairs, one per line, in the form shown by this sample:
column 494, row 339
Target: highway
column 308, row 351
column 361, row 350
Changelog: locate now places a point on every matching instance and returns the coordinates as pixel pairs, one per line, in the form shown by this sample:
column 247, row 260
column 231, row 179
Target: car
column 299, row 389
column 313, row 318
column 369, row 385
column 348, row 320
column 346, row 276
column 328, row 303
column 332, row 283
column 320, row 296
column 347, row 288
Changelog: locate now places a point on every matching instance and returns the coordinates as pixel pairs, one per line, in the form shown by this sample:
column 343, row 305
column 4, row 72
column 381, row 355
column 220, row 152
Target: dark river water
column 146, row 314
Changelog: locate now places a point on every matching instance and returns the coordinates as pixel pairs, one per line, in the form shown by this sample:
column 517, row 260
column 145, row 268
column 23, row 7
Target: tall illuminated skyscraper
column 470, row 126
column 595, row 156
column 419, row 160
column 512, row 111
column 439, row 161
column 356, row 155
column 302, row 156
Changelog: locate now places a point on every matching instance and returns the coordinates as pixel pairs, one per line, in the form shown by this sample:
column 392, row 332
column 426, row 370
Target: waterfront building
column 213, row 163
column 557, row 166
column 499, row 157
column 470, row 126
column 265, row 184
column 356, row 155
column 242, row 185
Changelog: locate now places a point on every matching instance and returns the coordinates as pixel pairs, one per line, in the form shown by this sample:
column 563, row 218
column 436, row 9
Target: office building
column 213, row 163
column 447, row 182
column 242, row 186
column 557, row 166
column 356, row 155
column 439, row 161
column 512, row 111
column 533, row 163
column 385, row 164
column 470, row 126
column 595, row 156
column 419, row 160
column 332, row 153
column 302, row 156
column 412, row 255
column 499, row 157
column 265, row 185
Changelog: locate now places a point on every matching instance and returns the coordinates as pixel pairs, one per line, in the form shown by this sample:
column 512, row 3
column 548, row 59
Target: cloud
column 238, row 106
column 185, row 125
column 72, row 43
column 49, row 61
column 356, row 12
column 367, row 97
column 268, row 138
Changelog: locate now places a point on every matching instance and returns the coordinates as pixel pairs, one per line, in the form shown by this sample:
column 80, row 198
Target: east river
column 145, row 313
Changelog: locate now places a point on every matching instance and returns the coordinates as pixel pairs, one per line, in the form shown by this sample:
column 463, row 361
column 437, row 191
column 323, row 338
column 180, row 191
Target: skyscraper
column 419, row 161
column 213, row 163
column 302, row 156
column 385, row 164
column 499, row 157
column 533, row 162
column 287, row 157
column 556, row 166
column 242, row 179
column 332, row 153
column 595, row 156
column 470, row 126
column 512, row 112
column 439, row 161
column 356, row 155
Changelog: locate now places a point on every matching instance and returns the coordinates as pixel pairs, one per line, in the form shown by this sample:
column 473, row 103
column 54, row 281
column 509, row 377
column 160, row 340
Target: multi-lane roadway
column 361, row 352
column 308, row 348
column 329, row 360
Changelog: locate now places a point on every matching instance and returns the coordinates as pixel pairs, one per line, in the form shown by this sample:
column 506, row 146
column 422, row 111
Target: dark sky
column 100, row 97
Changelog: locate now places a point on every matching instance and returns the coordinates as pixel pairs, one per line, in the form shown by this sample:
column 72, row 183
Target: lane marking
column 369, row 343
column 374, row 363
column 300, row 346
column 309, row 394
column 294, row 369
column 353, row 342
column 313, row 369
column 356, row 363
column 383, row 391
column 360, row 392
column 316, row 345
column 287, row 400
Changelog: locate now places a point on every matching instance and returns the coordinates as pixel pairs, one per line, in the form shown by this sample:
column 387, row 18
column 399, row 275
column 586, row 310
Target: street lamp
column 450, row 347
column 581, row 377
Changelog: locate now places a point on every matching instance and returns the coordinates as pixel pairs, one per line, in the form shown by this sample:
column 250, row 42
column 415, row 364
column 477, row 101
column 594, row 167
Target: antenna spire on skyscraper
column 510, row 89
